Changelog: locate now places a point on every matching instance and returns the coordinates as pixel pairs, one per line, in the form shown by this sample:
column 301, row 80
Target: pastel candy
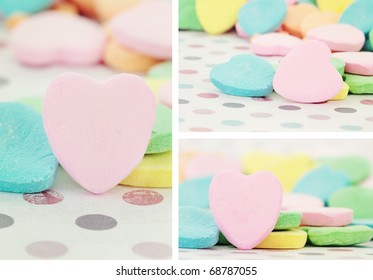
column 34, row 102
column 217, row 17
column 161, row 139
column 358, row 14
column 288, row 169
column 242, row 208
column 343, row 93
column 317, row 19
column 106, row 9
column 197, row 228
column 321, row 182
column 151, row 37
column 15, row 19
column 161, row 70
column 154, row 83
column 273, row 44
column 27, row 162
column 359, row 63
column 359, row 84
column 287, row 220
column 325, row 216
column 99, row 131
column 55, row 37
column 208, row 165
column 339, row 37
column 165, row 94
column 188, row 19
column 296, row 75
column 86, row 7
column 295, row 16
column 240, row 32
column 291, row 200
column 154, row 170
column 336, row 6
column 195, row 192
column 363, row 222
column 313, row 2
column 262, row 16
column 125, row 60
column 338, row 236
column 8, row 7
column 287, row 239
column 356, row 168
column 359, row 199
column 243, row 75
column 339, row 64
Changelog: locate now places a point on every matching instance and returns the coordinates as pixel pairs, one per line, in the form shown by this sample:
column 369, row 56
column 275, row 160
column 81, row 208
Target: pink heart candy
column 245, row 208
column 55, row 37
column 307, row 75
column 99, row 131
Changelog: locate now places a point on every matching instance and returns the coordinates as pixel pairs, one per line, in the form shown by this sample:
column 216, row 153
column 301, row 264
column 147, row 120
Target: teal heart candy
column 161, row 139
column 359, row 15
column 27, row 163
column 188, row 19
column 8, row 7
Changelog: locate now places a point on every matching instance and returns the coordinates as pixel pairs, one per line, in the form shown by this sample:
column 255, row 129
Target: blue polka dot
column 351, row 127
column 232, row 123
column 185, row 86
column 292, row 125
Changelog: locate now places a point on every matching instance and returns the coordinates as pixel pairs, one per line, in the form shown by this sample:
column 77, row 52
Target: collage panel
column 270, row 199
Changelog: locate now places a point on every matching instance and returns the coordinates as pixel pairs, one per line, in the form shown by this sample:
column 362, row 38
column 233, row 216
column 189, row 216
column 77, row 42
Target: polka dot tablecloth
column 204, row 108
column 68, row 222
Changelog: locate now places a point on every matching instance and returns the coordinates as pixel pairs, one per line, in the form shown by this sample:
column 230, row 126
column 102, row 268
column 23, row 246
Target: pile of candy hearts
column 326, row 46
column 274, row 201
column 103, row 133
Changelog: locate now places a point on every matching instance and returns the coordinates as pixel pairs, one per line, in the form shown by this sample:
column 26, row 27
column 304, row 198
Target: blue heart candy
column 8, row 7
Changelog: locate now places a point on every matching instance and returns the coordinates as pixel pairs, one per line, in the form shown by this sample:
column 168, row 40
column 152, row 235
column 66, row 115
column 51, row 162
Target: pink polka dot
column 152, row 250
column 44, row 197
column 196, row 46
column 261, row 115
column 201, row 129
column 262, row 99
column 143, row 197
column 206, row 80
column 369, row 119
column 208, row 95
column 242, row 47
column 367, row 102
column 319, row 117
column 204, row 111
column 188, row 71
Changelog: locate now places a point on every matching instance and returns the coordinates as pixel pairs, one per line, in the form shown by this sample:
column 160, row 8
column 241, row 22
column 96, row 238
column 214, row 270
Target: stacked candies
column 274, row 201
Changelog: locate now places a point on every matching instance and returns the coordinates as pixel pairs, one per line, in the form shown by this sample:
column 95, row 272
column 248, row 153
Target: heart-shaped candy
column 306, row 74
column 245, row 208
column 99, row 131
column 55, row 37
column 218, row 16
column 145, row 29
column 188, row 19
column 7, row 7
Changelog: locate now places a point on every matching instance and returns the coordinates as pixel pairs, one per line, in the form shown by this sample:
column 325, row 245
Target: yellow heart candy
column 333, row 6
column 154, row 170
column 343, row 93
column 218, row 16
column 287, row 239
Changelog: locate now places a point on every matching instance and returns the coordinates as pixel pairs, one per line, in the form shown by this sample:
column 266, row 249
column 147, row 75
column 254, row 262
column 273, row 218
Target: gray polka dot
column 152, row 250
column 96, row 222
column 5, row 221
column 3, row 81
column 46, row 249
column 233, row 105
column 345, row 110
column 192, row 58
column 183, row 101
column 312, row 254
column 289, row 108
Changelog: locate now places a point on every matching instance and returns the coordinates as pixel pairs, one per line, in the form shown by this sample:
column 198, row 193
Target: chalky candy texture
column 322, row 182
column 244, row 75
column 360, row 63
column 359, row 84
column 197, row 228
column 187, row 15
column 161, row 139
column 356, row 168
column 242, row 208
column 288, row 220
column 155, row 170
column 7, row 7
column 325, row 216
column 262, row 16
column 195, row 192
column 359, row 199
column 273, row 44
column 359, row 14
column 338, row 236
column 287, row 239
column 54, row 37
column 27, row 163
